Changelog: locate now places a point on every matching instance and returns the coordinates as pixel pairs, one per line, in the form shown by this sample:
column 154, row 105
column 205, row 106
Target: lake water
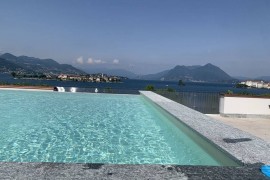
column 130, row 84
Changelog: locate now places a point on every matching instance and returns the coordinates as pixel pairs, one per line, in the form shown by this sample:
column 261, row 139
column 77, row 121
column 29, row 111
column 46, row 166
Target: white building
column 260, row 84
column 62, row 76
column 248, row 83
column 256, row 84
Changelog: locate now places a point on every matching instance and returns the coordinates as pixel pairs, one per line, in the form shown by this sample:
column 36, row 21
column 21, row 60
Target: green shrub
column 229, row 92
column 246, row 93
column 149, row 88
column 170, row 90
column 241, row 86
column 108, row 90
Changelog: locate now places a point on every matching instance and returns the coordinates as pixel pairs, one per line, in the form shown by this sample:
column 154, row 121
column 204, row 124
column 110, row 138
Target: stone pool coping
column 241, row 145
column 9, row 170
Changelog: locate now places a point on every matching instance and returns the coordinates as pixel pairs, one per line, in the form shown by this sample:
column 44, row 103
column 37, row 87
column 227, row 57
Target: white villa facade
column 256, row 84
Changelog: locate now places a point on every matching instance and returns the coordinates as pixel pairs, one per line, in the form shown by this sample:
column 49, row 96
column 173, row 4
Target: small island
column 99, row 77
column 253, row 84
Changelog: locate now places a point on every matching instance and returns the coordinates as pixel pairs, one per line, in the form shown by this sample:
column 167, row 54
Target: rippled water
column 96, row 128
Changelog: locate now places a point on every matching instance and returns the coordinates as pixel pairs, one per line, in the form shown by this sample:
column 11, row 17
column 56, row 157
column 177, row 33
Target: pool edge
column 246, row 152
column 219, row 154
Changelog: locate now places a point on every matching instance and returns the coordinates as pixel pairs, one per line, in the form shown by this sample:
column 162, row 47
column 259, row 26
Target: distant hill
column 264, row 78
column 261, row 78
column 115, row 72
column 6, row 66
column 31, row 64
column 157, row 76
column 241, row 78
column 206, row 73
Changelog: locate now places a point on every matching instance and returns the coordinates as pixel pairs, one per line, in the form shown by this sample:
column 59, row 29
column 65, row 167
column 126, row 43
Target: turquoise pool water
column 92, row 128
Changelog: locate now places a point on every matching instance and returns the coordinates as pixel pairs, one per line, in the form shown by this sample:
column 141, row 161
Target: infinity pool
column 95, row 128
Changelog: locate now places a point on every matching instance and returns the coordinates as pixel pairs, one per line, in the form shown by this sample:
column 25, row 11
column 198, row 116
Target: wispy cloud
column 92, row 61
column 95, row 61
column 79, row 60
column 116, row 61
column 98, row 61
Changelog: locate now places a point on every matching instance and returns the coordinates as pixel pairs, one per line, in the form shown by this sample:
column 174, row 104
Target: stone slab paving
column 241, row 145
column 130, row 172
column 259, row 127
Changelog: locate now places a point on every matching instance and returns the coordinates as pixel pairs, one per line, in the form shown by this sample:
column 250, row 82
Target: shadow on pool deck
column 236, row 140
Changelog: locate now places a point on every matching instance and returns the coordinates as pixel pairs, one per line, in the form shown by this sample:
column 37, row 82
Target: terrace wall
column 244, row 106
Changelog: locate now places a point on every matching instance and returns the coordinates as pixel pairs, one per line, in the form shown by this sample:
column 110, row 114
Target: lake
column 132, row 84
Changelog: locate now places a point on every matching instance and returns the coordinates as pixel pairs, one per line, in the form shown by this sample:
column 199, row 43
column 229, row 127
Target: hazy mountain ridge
column 264, row 78
column 206, row 73
column 36, row 65
column 260, row 78
column 156, row 76
column 197, row 73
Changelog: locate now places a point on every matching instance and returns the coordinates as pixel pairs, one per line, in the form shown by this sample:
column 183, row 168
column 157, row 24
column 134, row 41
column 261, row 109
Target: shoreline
column 17, row 87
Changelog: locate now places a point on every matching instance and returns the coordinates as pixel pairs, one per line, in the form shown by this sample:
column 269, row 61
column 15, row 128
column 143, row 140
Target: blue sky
column 142, row 36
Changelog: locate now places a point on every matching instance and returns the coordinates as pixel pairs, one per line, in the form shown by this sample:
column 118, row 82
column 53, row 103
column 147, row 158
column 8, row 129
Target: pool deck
column 259, row 127
column 250, row 150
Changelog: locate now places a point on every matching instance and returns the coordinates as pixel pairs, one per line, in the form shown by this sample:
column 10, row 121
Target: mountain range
column 197, row 73
column 264, row 78
column 206, row 73
column 9, row 62
column 260, row 78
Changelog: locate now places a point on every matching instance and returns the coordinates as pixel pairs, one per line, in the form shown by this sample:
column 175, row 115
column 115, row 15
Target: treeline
column 22, row 75
column 22, row 84
column 169, row 89
column 244, row 93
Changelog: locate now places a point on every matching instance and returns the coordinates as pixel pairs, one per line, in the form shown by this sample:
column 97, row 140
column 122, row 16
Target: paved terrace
column 253, row 153
column 259, row 127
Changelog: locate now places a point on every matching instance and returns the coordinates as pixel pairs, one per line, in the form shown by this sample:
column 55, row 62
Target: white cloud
column 98, row 61
column 115, row 61
column 95, row 61
column 90, row 61
column 79, row 60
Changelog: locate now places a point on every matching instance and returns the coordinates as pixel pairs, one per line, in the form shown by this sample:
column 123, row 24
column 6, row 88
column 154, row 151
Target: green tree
column 42, row 76
column 241, row 86
column 13, row 74
column 149, row 88
column 181, row 83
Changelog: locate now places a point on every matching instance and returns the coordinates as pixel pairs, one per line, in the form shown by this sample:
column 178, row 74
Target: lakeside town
column 98, row 77
column 256, row 84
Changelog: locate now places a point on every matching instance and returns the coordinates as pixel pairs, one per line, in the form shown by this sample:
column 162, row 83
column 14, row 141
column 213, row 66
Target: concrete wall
column 229, row 105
